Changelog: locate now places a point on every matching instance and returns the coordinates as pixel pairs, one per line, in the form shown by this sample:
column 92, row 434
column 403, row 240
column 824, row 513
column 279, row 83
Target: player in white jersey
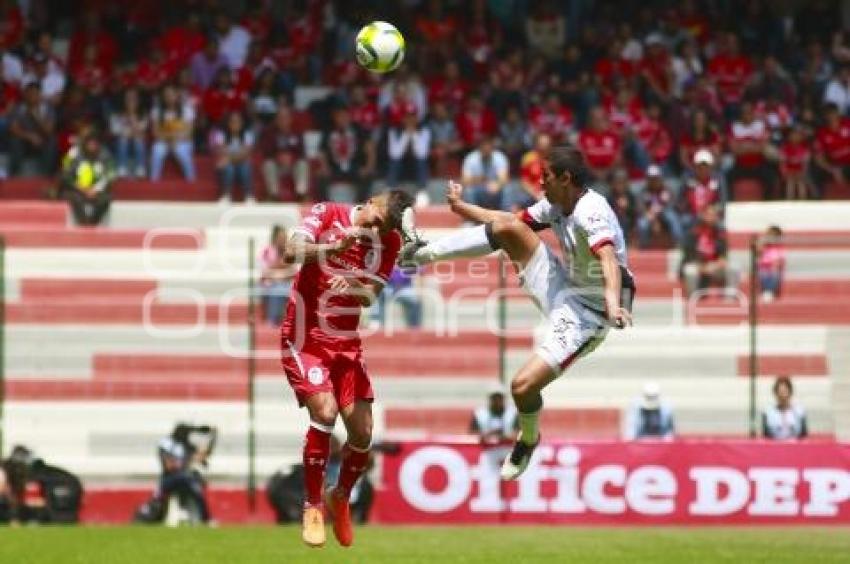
column 581, row 297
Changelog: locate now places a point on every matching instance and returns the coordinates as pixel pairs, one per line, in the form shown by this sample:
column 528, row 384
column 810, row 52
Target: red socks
column 354, row 463
column 317, row 447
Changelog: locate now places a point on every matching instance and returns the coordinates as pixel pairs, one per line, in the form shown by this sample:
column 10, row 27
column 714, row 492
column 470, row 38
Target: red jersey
column 795, row 156
column 834, row 144
column 556, row 124
column 730, row 74
column 531, row 169
column 452, row 93
column 472, row 127
column 755, row 131
column 366, row 116
column 398, row 109
column 218, row 102
column 600, row 148
column 710, row 141
column 655, row 139
column 709, row 242
column 9, row 96
column 313, row 312
column 608, row 69
column 700, row 195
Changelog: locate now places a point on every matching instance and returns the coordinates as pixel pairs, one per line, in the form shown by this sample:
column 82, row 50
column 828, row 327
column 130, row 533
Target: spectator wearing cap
column 657, row 209
column 785, row 420
column 649, row 417
column 32, row 128
column 701, row 134
column 832, row 150
column 749, row 140
column 496, row 423
column 409, row 141
column 485, row 173
column 701, row 191
column 623, row 202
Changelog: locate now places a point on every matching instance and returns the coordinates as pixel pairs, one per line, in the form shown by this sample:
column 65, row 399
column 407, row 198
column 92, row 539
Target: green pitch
column 400, row 545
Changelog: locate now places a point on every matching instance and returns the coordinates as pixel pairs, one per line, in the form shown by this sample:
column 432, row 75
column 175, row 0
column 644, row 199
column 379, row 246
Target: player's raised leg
column 355, row 460
column 317, row 445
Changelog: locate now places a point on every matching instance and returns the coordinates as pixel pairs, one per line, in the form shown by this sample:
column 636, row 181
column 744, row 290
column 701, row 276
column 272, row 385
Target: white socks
column 528, row 425
column 467, row 242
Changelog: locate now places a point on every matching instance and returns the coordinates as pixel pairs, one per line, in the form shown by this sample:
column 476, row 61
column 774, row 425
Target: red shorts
column 316, row 369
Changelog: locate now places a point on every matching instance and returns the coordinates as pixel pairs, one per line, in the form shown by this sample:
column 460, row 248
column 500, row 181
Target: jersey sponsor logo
column 315, row 375
column 318, row 209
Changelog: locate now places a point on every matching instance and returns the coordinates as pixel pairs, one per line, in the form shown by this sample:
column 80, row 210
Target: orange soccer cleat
column 313, row 526
column 339, row 511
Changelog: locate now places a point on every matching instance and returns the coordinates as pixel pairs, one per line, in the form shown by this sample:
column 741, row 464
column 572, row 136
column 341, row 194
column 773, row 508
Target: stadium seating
column 150, row 312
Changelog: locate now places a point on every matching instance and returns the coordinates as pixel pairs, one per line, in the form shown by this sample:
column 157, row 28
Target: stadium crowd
column 671, row 102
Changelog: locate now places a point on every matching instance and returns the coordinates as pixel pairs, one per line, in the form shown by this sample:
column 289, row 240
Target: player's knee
column 522, row 387
column 361, row 436
column 506, row 225
column 324, row 414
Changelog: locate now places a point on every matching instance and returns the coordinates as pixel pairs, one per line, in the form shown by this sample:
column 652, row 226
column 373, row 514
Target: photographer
column 184, row 457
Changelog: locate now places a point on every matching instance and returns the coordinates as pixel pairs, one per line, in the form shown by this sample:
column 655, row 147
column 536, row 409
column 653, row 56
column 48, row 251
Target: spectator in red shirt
column 624, row 109
column 347, row 156
column 613, row 67
column 749, row 141
column 832, row 150
column 400, row 106
column 153, row 73
column 12, row 26
column 657, row 69
column 182, row 41
column 91, row 34
column 704, row 264
column 282, row 149
column 9, row 97
column 702, row 134
column 654, row 145
column 449, row 87
column 529, row 189
column 553, row 118
column 475, row 122
column 730, row 70
column 222, row 98
column 364, row 112
column 795, row 152
column 701, row 191
column 601, row 146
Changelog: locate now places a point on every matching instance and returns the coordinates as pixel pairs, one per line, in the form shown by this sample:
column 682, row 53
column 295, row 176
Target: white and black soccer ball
column 379, row 47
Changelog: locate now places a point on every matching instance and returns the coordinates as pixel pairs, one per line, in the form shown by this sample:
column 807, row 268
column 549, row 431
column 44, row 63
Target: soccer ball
column 379, row 47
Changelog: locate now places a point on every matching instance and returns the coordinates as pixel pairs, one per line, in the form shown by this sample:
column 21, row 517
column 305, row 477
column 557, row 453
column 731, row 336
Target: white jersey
column 581, row 234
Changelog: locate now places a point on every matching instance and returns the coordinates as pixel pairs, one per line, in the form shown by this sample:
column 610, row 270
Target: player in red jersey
column 347, row 253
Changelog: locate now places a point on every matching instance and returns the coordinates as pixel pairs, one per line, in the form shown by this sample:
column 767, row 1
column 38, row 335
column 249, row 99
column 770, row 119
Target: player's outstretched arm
column 469, row 212
column 618, row 316
column 299, row 250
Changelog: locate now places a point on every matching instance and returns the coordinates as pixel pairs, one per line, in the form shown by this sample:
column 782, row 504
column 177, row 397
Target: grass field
column 397, row 545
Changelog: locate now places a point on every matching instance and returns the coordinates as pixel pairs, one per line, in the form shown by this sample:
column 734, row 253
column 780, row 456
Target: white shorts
column 573, row 329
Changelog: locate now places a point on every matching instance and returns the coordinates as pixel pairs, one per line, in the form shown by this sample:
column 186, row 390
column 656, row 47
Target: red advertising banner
column 619, row 483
